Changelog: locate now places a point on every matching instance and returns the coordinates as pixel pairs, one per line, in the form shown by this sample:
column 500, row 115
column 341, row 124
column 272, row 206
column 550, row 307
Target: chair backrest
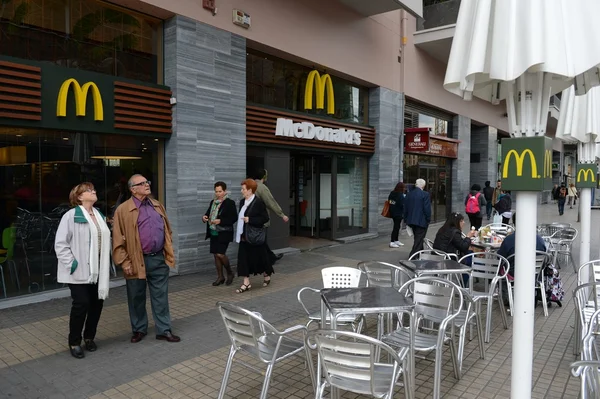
column 436, row 299
column 585, row 296
column 246, row 329
column 341, row 277
column 487, row 266
column 429, row 254
column 589, row 349
column 589, row 373
column 567, row 234
column 9, row 237
column 593, row 267
column 382, row 274
column 350, row 361
column 428, row 243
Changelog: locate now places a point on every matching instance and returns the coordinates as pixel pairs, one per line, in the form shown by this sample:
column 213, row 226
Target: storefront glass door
column 436, row 172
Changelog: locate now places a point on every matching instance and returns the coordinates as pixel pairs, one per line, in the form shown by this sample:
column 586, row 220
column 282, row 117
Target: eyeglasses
column 148, row 182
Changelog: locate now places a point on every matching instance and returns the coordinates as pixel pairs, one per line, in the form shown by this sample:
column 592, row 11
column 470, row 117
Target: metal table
column 431, row 267
column 368, row 300
column 488, row 246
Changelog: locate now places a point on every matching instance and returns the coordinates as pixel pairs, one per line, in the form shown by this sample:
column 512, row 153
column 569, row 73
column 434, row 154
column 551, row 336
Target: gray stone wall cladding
column 206, row 70
column 461, row 167
column 385, row 115
column 483, row 141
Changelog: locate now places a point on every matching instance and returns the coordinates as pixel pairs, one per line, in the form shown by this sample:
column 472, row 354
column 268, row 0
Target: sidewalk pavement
column 35, row 361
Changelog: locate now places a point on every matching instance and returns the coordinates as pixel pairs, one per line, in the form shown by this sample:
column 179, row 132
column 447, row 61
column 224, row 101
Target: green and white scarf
column 214, row 211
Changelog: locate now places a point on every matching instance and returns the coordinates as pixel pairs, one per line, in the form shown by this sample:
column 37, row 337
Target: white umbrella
column 579, row 122
column 524, row 51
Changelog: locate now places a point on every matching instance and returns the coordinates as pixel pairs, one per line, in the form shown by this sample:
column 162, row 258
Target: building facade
column 191, row 94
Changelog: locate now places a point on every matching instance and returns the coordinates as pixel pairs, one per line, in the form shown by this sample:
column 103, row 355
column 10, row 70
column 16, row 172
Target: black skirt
column 216, row 246
column 253, row 260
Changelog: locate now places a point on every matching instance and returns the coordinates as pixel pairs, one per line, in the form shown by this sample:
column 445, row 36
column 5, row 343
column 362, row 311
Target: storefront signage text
column 308, row 131
column 324, row 85
column 416, row 139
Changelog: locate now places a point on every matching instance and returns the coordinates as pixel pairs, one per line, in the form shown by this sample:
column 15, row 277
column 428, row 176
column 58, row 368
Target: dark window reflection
column 38, row 169
column 82, row 34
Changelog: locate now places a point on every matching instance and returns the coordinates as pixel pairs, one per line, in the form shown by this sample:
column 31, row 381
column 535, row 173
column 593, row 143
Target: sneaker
column 394, row 245
column 398, row 243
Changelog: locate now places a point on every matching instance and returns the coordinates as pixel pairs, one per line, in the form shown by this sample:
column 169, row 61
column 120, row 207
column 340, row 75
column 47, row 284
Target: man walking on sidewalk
column 142, row 246
column 417, row 214
column 488, row 193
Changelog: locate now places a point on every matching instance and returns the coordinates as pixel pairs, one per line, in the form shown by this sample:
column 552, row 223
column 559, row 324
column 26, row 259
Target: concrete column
column 206, row 70
column 385, row 114
column 461, row 167
column 484, row 143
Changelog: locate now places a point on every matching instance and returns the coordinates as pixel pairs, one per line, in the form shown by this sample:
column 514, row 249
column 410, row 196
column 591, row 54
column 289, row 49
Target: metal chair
column 383, row 274
column 466, row 317
column 562, row 243
column 250, row 333
column 590, row 349
column 334, row 277
column 429, row 245
column 353, row 362
column 437, row 302
column 542, row 259
column 589, row 373
column 593, row 267
column 492, row 269
column 587, row 301
column 430, row 254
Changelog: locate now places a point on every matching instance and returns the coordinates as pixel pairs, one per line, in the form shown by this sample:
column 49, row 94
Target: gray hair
column 130, row 181
column 420, row 183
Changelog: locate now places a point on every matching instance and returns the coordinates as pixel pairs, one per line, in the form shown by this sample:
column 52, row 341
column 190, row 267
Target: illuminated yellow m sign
column 519, row 159
column 323, row 83
column 548, row 163
column 81, row 94
column 586, row 172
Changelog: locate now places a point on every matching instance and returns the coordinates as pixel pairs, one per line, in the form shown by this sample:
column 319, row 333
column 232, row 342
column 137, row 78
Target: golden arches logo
column 548, row 163
column 519, row 159
column 323, row 83
column 81, row 93
column 585, row 173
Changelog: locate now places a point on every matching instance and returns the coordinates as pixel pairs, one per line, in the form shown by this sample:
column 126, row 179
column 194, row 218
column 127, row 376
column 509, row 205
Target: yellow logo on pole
column 519, row 159
column 323, row 83
column 585, row 173
column 548, row 163
column 81, row 93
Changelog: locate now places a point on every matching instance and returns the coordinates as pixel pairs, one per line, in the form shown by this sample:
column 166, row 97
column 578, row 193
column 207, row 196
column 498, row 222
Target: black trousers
column 419, row 235
column 85, row 312
column 396, row 228
column 475, row 220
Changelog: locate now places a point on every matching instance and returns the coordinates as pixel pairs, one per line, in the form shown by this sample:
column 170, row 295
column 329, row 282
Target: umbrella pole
column 523, row 320
column 585, row 210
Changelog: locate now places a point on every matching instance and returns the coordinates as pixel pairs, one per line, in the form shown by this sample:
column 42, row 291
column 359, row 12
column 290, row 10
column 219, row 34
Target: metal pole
column 523, row 320
column 585, row 235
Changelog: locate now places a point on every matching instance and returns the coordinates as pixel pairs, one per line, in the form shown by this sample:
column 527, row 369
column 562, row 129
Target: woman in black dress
column 220, row 218
column 252, row 259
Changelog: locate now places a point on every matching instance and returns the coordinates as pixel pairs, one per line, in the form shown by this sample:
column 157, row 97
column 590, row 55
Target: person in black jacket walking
column 220, row 218
column 417, row 213
column 396, row 200
column 488, row 194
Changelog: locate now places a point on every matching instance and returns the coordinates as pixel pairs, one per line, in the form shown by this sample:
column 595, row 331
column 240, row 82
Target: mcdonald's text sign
column 587, row 175
column 527, row 164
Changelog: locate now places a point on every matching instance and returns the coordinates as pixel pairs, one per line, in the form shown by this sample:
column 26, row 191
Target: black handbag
column 255, row 235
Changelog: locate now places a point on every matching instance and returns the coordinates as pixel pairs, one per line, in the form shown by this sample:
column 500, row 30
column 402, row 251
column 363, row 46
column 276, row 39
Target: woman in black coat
column 220, row 218
column 396, row 200
column 252, row 259
column 449, row 237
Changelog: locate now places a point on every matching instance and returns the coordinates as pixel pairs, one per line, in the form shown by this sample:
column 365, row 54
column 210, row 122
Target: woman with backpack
column 474, row 206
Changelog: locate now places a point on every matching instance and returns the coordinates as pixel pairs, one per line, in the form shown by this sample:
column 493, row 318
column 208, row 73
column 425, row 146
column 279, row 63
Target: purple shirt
column 151, row 227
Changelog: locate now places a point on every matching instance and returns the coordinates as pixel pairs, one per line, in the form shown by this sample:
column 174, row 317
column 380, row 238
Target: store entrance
column 310, row 190
column 435, row 171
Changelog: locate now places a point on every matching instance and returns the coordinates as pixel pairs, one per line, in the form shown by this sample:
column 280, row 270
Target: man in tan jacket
column 142, row 246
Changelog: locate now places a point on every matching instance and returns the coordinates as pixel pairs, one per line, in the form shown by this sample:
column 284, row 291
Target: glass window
column 352, row 191
column 83, row 34
column 438, row 126
column 38, row 169
column 277, row 83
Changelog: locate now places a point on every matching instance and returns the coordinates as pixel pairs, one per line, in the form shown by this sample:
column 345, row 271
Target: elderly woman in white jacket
column 83, row 247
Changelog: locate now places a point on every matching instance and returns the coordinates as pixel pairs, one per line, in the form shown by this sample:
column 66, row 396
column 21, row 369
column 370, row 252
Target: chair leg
column 462, row 333
column 488, row 319
column 437, row 376
column 456, row 361
column 511, row 301
column 502, row 311
column 232, row 352
column 576, row 336
column 480, row 336
column 543, row 295
column 267, row 381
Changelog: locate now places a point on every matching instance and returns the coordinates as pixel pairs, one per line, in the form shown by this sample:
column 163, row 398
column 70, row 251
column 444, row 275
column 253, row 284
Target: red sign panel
column 416, row 139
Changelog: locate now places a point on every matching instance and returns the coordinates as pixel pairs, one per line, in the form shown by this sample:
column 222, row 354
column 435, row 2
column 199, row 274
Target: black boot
column 220, row 279
column 229, row 274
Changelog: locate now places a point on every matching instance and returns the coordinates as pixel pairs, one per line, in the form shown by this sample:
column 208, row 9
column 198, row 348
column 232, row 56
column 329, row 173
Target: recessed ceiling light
column 19, row 135
column 65, row 138
column 155, row 139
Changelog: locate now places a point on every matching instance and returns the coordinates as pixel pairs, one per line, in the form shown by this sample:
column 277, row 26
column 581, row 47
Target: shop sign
column 416, row 139
column 82, row 101
column 438, row 147
column 324, row 85
column 586, row 175
column 527, row 164
column 308, row 131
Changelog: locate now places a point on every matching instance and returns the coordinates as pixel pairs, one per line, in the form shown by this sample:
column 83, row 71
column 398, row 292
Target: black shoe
column 219, row 281
column 90, row 345
column 278, row 257
column 137, row 337
column 77, row 351
column 169, row 337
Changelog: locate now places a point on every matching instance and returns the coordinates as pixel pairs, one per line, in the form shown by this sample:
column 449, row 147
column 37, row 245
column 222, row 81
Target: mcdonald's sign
column 586, row 175
column 324, row 85
column 527, row 164
column 81, row 94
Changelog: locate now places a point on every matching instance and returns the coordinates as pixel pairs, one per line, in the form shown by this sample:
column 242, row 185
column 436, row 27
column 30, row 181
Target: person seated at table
column 507, row 249
column 449, row 239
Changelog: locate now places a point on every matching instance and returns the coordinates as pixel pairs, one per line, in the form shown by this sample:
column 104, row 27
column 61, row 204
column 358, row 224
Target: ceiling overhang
column 369, row 8
column 436, row 42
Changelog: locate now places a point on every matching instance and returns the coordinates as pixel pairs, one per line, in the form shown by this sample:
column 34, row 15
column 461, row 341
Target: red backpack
column 473, row 204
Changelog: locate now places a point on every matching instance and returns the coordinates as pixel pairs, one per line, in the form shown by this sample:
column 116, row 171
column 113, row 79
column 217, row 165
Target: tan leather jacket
column 127, row 249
